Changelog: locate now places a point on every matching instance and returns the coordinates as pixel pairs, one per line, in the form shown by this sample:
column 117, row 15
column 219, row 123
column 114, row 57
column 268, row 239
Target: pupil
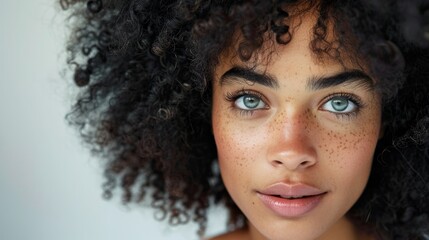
column 340, row 103
column 251, row 102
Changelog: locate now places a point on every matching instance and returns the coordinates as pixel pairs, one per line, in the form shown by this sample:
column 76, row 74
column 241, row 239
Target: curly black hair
column 145, row 71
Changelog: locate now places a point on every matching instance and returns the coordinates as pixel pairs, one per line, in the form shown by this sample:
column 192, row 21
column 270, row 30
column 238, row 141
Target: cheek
column 349, row 156
column 237, row 149
column 345, row 147
column 233, row 147
column 350, row 146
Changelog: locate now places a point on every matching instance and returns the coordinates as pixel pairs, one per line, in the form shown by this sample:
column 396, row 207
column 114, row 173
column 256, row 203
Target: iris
column 251, row 101
column 340, row 103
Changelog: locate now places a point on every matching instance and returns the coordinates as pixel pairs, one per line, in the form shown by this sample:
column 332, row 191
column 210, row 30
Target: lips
column 291, row 200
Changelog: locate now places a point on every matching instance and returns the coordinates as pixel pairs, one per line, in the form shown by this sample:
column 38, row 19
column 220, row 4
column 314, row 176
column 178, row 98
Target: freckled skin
column 294, row 140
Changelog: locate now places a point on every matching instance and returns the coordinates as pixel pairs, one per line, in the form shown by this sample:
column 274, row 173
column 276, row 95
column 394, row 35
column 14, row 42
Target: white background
column 50, row 186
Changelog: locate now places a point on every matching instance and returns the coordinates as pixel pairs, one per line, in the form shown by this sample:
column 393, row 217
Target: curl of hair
column 144, row 68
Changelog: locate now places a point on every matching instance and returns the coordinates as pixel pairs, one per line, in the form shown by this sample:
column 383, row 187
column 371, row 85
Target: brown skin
column 293, row 134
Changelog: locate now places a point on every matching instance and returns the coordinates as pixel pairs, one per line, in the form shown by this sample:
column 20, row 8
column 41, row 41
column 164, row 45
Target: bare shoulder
column 240, row 234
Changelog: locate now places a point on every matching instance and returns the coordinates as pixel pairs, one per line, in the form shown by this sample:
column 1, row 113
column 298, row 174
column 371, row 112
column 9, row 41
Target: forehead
column 305, row 46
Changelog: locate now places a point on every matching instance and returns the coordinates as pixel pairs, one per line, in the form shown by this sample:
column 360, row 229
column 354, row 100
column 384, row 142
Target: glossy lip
column 306, row 199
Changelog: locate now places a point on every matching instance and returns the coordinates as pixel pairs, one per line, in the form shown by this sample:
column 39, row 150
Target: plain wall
column 50, row 186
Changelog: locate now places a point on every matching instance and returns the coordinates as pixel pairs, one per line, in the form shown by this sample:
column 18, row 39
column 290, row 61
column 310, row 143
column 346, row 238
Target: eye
column 340, row 104
column 249, row 102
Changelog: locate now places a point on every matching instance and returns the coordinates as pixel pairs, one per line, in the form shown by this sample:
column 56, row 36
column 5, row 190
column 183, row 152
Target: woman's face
column 295, row 138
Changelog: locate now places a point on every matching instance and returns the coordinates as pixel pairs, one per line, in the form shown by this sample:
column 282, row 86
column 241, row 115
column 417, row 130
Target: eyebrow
column 347, row 77
column 239, row 74
column 243, row 74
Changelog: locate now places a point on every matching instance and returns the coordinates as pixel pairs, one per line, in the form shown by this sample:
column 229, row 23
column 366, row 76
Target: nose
column 290, row 144
column 293, row 160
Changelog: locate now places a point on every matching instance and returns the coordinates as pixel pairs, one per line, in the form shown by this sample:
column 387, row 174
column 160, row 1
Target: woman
column 315, row 112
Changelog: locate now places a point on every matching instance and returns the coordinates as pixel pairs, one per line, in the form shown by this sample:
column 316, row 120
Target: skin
column 294, row 136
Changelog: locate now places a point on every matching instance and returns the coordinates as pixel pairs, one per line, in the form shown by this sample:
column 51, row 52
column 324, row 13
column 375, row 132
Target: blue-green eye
column 340, row 104
column 249, row 102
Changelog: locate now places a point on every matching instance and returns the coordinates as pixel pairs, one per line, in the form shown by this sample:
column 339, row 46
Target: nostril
column 277, row 162
column 305, row 163
column 292, row 160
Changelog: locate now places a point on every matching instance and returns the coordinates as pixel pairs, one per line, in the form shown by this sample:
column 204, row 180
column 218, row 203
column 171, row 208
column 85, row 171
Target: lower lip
column 290, row 208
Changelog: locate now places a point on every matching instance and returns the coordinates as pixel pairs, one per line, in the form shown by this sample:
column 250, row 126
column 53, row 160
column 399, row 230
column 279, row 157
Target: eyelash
column 350, row 97
column 232, row 98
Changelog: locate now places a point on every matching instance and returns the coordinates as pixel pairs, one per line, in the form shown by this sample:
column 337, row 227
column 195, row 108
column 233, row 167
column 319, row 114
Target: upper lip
column 291, row 190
